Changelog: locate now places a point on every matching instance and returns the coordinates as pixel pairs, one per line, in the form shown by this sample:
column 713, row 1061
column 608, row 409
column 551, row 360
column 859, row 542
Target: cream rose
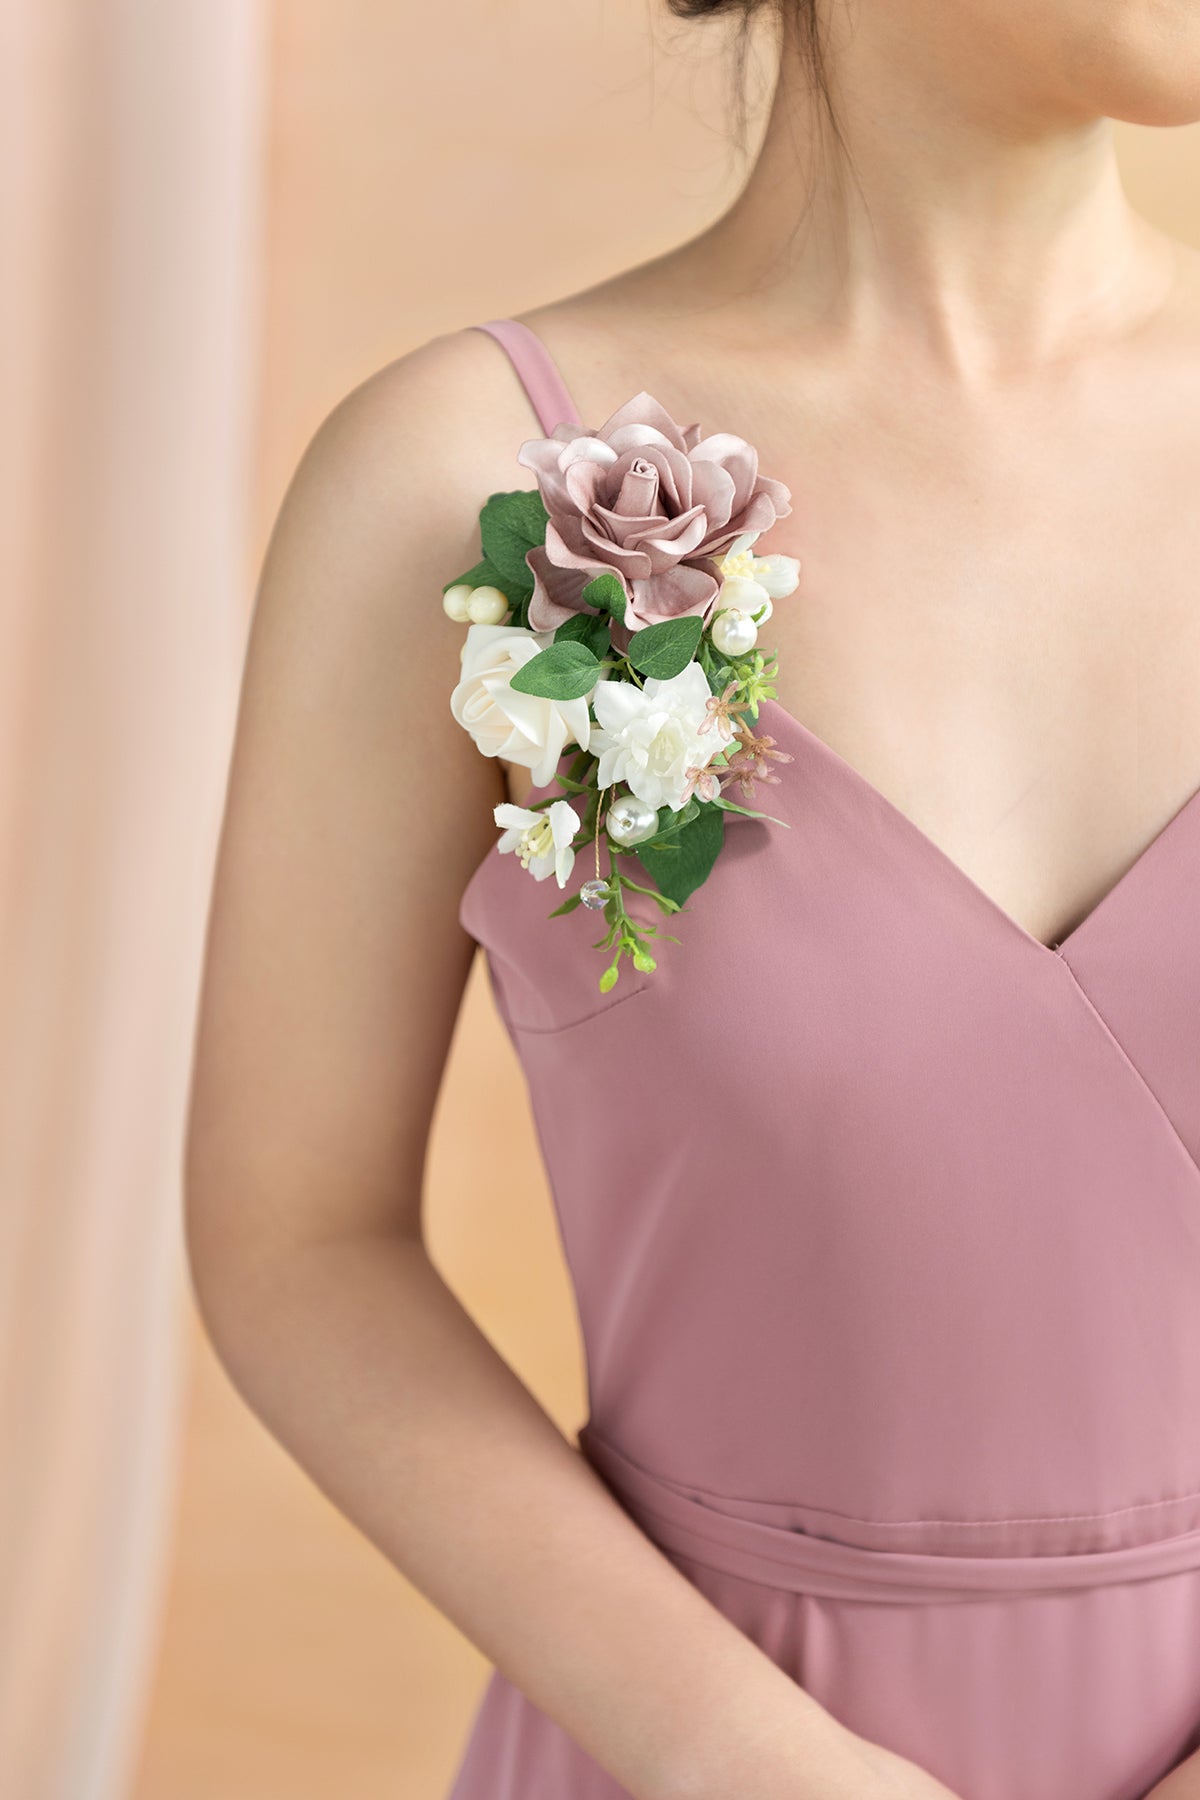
column 522, row 728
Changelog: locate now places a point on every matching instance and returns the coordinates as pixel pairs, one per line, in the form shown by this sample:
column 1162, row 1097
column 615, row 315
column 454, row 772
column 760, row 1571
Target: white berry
column 487, row 606
column 456, row 600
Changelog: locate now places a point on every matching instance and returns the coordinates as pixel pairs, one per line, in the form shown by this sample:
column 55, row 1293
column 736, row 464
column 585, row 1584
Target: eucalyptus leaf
column 510, row 525
column 665, row 649
column 565, row 671
column 589, row 629
column 606, row 594
column 678, row 870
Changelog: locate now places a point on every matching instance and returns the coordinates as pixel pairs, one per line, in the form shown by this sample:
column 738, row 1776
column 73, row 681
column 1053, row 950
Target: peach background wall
column 429, row 164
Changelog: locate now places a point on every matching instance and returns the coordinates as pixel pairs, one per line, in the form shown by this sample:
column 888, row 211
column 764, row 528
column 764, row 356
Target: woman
column 881, row 1193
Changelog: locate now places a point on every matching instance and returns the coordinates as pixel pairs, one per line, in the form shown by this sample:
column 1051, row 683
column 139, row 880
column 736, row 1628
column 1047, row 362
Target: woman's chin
column 1157, row 104
column 1140, row 83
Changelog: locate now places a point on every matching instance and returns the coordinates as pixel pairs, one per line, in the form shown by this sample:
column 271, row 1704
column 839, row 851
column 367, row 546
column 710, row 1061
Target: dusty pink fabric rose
column 649, row 500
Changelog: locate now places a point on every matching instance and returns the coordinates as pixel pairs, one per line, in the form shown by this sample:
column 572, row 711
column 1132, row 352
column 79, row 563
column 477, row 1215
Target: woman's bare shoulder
column 349, row 641
column 436, row 418
column 382, row 506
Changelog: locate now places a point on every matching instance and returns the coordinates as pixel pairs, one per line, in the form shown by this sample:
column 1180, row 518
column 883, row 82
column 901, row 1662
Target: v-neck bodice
column 883, row 1220
column 1149, row 864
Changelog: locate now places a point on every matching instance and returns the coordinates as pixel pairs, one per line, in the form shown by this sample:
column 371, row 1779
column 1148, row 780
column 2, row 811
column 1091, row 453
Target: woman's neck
column 993, row 235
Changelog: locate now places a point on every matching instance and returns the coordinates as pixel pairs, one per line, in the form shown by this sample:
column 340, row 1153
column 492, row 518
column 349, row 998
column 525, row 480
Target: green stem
column 654, row 894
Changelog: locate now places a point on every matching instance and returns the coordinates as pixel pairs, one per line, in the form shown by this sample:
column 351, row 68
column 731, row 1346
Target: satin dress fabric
column 886, row 1256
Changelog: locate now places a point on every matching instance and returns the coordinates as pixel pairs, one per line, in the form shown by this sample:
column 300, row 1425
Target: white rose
column 520, row 727
column 542, row 840
column 650, row 736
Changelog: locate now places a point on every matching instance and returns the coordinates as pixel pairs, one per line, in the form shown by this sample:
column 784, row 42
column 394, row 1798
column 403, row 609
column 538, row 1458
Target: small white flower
column 650, row 736
column 750, row 583
column 542, row 839
column 523, row 728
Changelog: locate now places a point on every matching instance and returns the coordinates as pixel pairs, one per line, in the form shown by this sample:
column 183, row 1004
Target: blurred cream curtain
column 131, row 147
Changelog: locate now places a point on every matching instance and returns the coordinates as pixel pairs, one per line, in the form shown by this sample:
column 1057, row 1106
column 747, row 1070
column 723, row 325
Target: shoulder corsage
column 616, row 610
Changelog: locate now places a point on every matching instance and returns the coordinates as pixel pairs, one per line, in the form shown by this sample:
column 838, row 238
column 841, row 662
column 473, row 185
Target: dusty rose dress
column 890, row 1295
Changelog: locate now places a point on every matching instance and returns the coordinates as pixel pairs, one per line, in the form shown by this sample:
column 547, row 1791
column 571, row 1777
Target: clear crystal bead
column 594, row 894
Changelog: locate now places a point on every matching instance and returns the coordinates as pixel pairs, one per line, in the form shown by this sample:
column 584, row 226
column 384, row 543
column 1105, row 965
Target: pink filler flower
column 751, row 760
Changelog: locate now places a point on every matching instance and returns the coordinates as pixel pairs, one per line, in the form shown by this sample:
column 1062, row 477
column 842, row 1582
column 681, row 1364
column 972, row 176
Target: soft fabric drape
column 129, row 176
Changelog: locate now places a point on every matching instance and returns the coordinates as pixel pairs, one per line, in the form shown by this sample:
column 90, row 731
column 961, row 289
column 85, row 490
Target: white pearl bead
column 630, row 820
column 487, row 606
column 456, row 600
column 734, row 633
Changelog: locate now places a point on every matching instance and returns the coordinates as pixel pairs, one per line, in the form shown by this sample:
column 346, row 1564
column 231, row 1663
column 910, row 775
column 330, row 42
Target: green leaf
column 509, row 525
column 655, row 894
column 682, row 868
column 606, row 594
column 670, row 827
column 732, row 806
column 665, row 649
column 485, row 574
column 568, row 905
column 589, row 629
column 559, row 672
column 716, row 669
column 670, row 823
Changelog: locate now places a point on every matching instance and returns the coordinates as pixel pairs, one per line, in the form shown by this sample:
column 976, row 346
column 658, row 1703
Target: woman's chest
column 1000, row 630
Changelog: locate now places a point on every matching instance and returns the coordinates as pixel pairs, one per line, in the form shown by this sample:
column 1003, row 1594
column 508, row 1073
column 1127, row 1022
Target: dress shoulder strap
column 536, row 371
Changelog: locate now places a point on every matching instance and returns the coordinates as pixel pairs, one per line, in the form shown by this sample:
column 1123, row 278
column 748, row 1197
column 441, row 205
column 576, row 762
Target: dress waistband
column 801, row 1563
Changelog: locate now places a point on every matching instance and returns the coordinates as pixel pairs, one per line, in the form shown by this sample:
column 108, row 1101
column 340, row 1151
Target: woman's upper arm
column 356, row 810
